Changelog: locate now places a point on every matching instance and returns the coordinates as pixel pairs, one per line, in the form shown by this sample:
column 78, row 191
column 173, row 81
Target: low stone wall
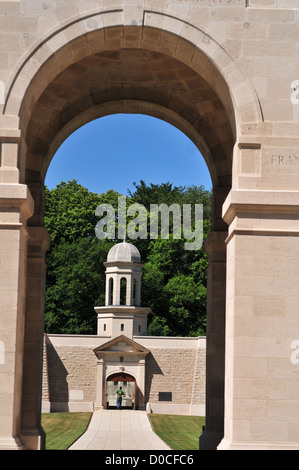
column 181, row 372
column 69, row 377
column 69, row 374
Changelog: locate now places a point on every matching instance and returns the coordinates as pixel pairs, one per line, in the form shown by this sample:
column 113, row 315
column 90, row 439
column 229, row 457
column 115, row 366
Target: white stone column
column 215, row 247
column 100, row 392
column 116, row 290
column 38, row 245
column 141, row 384
column 107, row 290
column 138, row 290
column 262, row 321
column 16, row 207
column 129, row 296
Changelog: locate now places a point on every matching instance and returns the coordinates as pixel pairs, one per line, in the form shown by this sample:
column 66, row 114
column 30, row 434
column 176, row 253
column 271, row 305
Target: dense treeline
column 174, row 279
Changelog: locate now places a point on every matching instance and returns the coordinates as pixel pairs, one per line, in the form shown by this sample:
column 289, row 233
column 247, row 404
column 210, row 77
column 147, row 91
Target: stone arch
column 141, row 70
column 218, row 61
column 230, row 45
column 123, row 375
column 78, row 73
column 82, row 38
column 214, row 130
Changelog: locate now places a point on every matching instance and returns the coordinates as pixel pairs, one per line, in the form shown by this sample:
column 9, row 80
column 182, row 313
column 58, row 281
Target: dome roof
column 124, row 252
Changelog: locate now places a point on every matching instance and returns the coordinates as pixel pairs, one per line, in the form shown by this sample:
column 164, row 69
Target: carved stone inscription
column 285, row 160
column 280, row 168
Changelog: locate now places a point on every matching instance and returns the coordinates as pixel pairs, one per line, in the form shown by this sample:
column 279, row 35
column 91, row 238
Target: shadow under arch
column 189, row 80
column 128, row 80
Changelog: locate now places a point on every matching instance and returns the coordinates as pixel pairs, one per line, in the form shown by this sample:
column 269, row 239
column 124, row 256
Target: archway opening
column 123, row 291
column 125, row 383
column 110, row 291
column 120, row 149
column 130, row 81
column 168, row 155
column 186, row 90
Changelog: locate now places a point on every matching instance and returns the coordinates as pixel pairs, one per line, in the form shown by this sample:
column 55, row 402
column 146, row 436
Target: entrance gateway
column 226, row 73
column 127, row 384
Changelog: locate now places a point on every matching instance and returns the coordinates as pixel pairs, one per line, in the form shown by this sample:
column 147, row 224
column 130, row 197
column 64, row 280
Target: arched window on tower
column 123, row 291
column 122, row 327
column 110, row 293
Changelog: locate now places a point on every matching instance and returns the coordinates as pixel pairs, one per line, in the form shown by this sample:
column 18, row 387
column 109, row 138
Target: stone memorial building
column 224, row 72
column 82, row 373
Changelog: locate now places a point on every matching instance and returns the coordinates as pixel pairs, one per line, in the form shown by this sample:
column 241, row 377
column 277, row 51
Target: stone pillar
column 16, row 207
column 129, row 293
column 100, row 403
column 116, row 290
column 108, row 291
column 262, row 321
column 138, row 291
column 141, row 384
column 32, row 431
column 214, row 429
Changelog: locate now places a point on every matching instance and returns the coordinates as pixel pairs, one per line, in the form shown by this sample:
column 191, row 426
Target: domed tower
column 122, row 313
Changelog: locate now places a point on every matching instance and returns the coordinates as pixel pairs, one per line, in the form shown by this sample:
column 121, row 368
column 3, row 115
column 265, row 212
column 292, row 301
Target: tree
column 174, row 279
column 187, row 305
column 75, row 281
column 70, row 211
column 75, row 285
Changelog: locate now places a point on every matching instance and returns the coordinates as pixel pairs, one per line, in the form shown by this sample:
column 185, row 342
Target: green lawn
column 179, row 432
column 62, row 429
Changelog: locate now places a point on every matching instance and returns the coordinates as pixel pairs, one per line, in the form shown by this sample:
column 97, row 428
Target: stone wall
column 172, row 370
column 181, row 372
column 69, row 375
column 198, row 396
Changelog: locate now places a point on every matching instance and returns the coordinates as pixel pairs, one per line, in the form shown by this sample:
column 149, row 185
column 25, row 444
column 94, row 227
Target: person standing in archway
column 119, row 395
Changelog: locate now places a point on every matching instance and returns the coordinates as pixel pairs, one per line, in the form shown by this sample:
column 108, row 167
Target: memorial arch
column 208, row 68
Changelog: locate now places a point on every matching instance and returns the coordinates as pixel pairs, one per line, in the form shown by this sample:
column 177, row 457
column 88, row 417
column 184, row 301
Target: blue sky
column 114, row 151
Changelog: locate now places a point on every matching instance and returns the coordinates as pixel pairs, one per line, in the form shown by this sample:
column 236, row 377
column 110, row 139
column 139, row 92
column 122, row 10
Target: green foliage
column 70, row 212
column 75, row 273
column 75, row 285
column 174, row 279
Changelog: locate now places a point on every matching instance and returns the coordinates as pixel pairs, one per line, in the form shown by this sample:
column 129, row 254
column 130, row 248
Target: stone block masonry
column 69, row 374
column 176, row 371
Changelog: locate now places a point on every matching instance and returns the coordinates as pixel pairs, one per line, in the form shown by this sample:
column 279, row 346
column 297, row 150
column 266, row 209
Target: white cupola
column 122, row 313
column 123, row 275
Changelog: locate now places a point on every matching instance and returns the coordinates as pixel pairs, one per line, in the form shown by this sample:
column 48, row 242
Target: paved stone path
column 119, row 430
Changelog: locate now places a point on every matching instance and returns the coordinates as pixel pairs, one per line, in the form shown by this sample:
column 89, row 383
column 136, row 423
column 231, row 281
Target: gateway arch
column 225, row 72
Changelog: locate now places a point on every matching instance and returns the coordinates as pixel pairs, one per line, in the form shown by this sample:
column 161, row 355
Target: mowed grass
column 179, row 432
column 62, row 429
